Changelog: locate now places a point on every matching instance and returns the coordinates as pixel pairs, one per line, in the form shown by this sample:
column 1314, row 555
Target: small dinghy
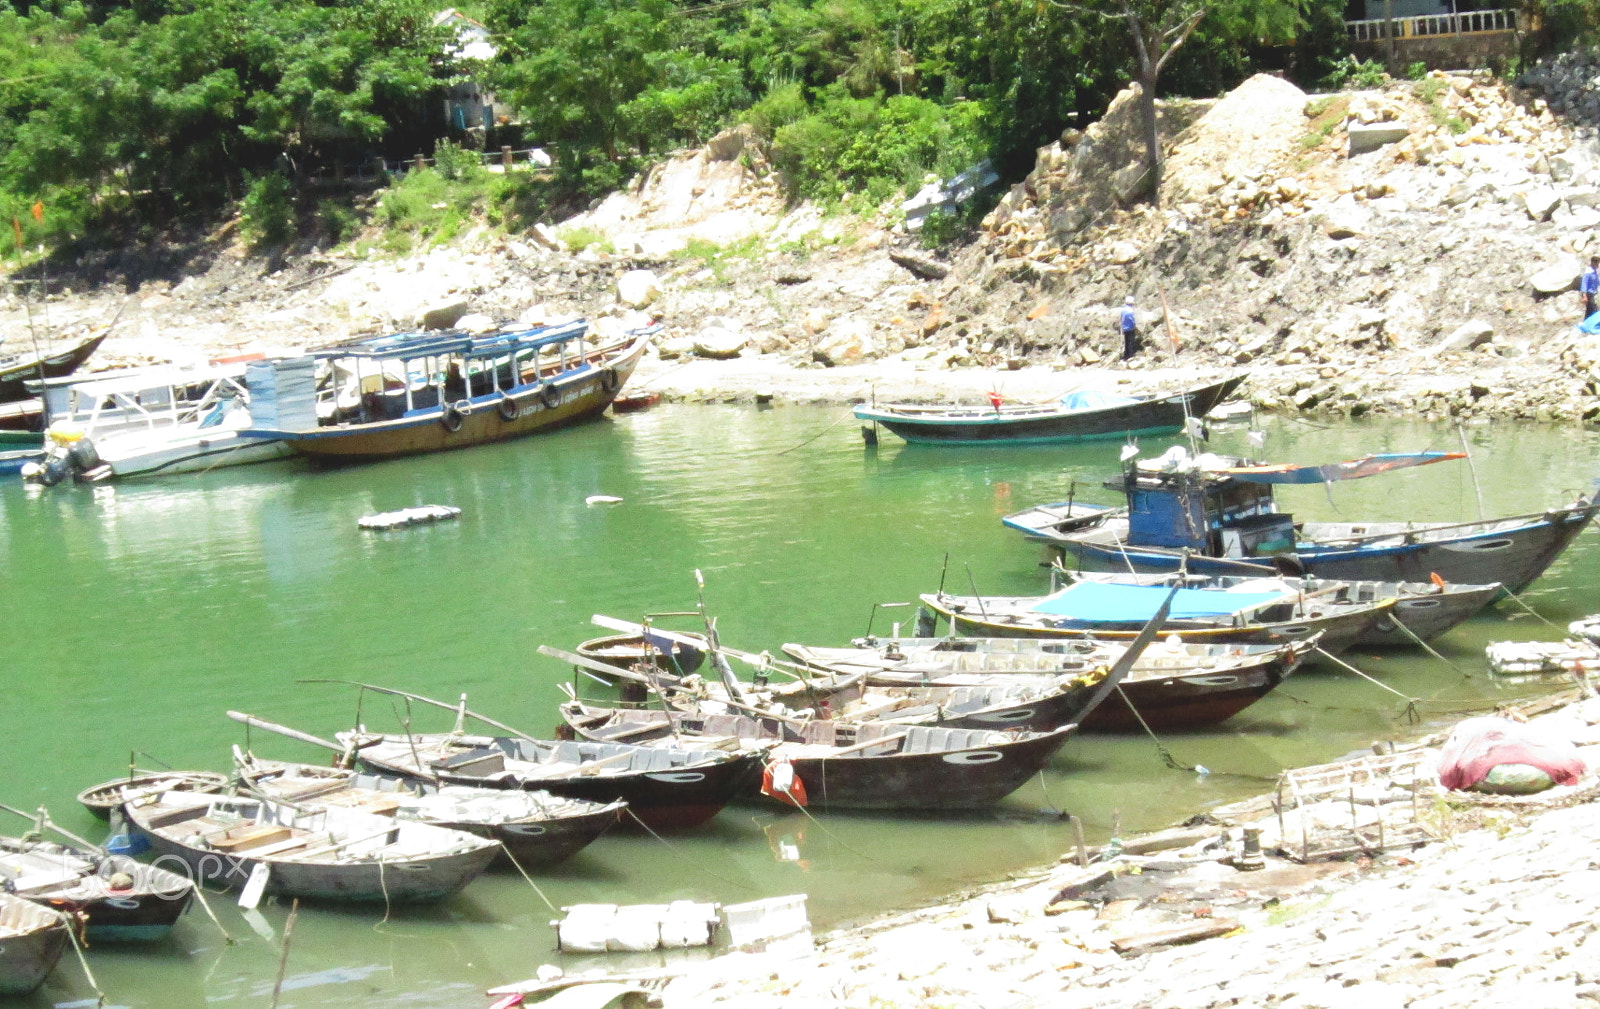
column 32, row 939
column 420, row 515
column 120, row 899
column 101, row 799
column 328, row 854
column 536, row 828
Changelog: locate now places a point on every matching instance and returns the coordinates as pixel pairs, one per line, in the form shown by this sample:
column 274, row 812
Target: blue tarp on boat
column 1094, row 399
column 1096, row 602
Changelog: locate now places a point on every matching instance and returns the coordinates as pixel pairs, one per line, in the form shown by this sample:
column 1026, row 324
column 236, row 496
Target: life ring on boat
column 548, row 395
column 507, row 408
column 453, row 414
column 610, row 381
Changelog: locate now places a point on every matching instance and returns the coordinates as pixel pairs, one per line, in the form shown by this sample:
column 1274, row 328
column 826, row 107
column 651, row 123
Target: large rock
column 719, row 343
column 847, row 341
column 1557, row 277
column 1465, row 337
column 638, row 288
column 1344, row 218
column 476, row 322
column 543, row 235
column 444, row 316
column 1539, row 202
column 1369, row 137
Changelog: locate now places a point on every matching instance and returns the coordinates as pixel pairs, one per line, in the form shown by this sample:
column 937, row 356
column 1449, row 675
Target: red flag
column 38, row 211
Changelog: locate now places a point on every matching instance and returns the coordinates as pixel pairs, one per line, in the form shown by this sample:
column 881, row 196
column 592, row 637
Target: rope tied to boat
column 1410, row 714
column 513, row 860
column 674, row 849
column 75, row 921
column 1535, row 613
column 1408, row 632
column 1161, row 748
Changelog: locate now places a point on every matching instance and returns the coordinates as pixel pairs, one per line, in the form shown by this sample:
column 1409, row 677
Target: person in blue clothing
column 1589, row 286
column 1130, row 329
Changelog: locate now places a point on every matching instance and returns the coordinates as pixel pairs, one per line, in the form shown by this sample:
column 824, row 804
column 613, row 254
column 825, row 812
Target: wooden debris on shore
column 409, row 517
column 1363, row 806
column 1133, row 945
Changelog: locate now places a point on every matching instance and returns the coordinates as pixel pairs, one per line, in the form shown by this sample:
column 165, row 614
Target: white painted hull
column 159, row 456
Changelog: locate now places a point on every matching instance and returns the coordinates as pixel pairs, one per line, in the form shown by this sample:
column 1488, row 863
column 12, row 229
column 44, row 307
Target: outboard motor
column 83, row 456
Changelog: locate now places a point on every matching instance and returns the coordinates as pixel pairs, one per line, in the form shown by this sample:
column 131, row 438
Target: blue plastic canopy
column 1102, row 603
column 1094, row 399
column 1367, row 465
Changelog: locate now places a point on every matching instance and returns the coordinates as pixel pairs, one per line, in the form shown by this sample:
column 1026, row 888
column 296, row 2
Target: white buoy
column 594, row 499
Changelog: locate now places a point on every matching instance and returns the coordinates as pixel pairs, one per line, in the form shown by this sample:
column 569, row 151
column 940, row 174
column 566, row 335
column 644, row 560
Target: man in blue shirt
column 1589, row 286
column 1130, row 329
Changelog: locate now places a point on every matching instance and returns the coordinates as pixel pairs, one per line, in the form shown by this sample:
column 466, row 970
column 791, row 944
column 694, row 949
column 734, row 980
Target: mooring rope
column 1161, row 748
column 1411, row 714
column 1427, row 647
column 513, row 860
column 72, row 933
column 1536, row 614
column 846, row 416
column 674, row 849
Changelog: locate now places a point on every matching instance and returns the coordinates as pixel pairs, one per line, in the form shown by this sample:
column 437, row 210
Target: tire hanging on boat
column 610, row 381
column 507, row 408
column 452, row 416
column 548, row 395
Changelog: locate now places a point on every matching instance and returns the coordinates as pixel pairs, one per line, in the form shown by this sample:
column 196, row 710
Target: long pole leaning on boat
column 457, row 709
column 1136, row 647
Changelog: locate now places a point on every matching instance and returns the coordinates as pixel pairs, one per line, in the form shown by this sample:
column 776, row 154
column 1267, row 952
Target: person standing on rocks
column 1589, row 286
column 1130, row 329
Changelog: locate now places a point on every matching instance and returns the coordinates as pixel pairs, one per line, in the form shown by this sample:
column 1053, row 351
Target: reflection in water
column 140, row 612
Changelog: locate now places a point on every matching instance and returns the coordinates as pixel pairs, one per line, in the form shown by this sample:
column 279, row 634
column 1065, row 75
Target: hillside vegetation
column 123, row 119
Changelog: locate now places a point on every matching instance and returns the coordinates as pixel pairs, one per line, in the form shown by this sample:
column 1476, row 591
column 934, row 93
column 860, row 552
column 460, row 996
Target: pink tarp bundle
column 1478, row 745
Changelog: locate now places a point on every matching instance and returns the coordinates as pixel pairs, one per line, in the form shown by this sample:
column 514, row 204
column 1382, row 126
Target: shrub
column 267, row 211
column 1353, row 73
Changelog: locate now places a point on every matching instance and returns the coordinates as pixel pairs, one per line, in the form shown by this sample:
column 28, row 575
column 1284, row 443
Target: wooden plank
column 1133, row 945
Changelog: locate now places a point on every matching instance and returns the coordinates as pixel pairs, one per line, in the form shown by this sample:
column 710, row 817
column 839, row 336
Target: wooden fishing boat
column 119, row 898
column 1171, row 684
column 32, row 939
column 853, row 765
column 665, row 788
column 534, row 828
column 1076, row 417
column 324, row 854
column 1041, row 703
column 17, row 370
column 1246, row 614
column 1422, row 610
column 1216, row 515
column 414, row 393
column 101, row 799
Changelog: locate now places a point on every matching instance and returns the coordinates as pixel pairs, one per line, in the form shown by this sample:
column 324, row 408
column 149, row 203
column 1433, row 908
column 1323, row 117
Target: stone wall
column 1442, row 52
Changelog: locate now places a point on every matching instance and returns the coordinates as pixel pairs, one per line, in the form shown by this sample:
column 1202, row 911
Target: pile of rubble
column 1570, row 82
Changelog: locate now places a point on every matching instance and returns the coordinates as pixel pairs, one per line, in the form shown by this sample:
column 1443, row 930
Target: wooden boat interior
column 20, row 917
column 258, row 829
column 387, row 795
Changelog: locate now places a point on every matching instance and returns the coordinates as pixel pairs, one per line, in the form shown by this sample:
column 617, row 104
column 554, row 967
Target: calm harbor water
column 139, row 613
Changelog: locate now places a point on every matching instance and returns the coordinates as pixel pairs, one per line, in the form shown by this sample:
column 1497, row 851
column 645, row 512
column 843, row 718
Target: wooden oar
column 436, row 703
column 609, row 670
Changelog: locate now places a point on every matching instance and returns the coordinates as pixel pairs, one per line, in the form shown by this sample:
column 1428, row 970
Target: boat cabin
column 408, row 374
column 147, row 399
column 1210, row 514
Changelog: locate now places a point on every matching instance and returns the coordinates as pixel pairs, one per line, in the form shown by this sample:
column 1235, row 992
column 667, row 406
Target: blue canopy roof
column 1369, row 465
column 1098, row 602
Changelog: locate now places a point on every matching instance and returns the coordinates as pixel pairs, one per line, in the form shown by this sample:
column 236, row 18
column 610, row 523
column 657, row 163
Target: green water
column 138, row 613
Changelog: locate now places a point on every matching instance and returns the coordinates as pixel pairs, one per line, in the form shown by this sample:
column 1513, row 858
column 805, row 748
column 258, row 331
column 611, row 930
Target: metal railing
column 1432, row 25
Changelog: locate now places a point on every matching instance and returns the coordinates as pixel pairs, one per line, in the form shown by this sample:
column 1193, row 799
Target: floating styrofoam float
column 409, row 517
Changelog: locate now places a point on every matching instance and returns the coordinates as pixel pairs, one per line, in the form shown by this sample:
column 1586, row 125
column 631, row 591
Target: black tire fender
column 610, row 381
column 454, row 414
column 507, row 408
column 548, row 395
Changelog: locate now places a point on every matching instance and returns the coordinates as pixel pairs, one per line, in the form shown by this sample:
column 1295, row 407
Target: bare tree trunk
column 1152, row 135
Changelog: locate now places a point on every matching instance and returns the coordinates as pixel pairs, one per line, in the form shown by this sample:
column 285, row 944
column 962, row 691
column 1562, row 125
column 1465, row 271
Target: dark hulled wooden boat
column 858, row 765
column 1259, row 620
column 120, row 899
column 101, row 799
column 665, row 788
column 32, row 939
column 496, row 387
column 322, row 854
column 1173, row 685
column 535, row 828
column 1422, row 610
column 1064, row 421
column 18, row 370
column 1222, row 520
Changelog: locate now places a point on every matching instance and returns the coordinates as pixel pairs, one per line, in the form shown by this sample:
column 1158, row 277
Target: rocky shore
column 1483, row 901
